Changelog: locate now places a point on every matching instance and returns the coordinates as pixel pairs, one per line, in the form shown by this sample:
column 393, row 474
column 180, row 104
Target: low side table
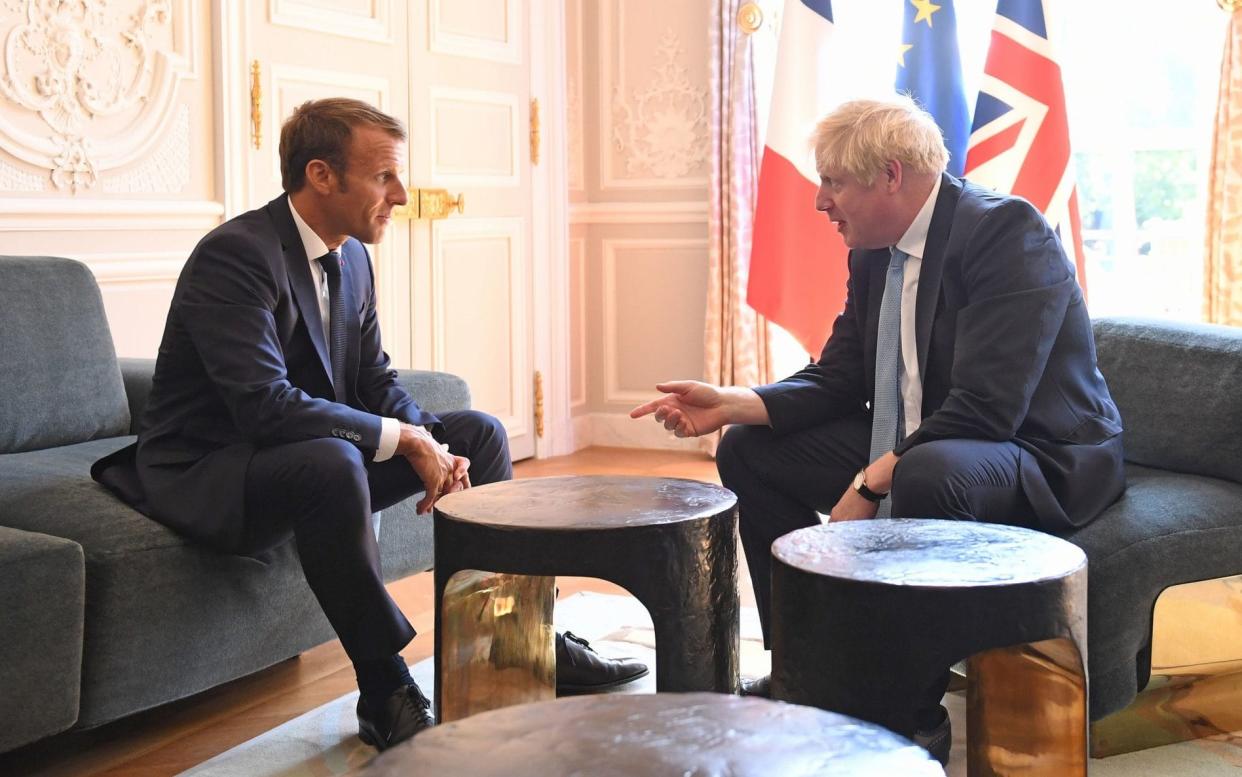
column 657, row 735
column 669, row 542
column 865, row 610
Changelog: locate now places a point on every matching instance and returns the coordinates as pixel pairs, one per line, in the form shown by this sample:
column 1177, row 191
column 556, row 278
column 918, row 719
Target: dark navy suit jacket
column 1005, row 350
column 243, row 366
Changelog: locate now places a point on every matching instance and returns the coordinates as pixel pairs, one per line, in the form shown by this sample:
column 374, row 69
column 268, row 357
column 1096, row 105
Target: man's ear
column 320, row 176
column 893, row 175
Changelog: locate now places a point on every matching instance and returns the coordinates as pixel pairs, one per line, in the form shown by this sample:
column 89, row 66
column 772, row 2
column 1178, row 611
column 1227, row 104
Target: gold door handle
column 256, row 105
column 430, row 204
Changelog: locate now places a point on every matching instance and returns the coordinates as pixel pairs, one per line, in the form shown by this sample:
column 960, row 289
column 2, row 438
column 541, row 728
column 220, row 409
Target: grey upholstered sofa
column 1179, row 389
column 104, row 612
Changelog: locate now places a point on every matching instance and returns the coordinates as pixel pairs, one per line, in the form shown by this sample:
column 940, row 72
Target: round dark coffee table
column 657, row 735
column 669, row 542
column 891, row 604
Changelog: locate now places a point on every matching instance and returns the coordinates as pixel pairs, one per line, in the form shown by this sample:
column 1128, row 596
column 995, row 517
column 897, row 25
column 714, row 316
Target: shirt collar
column 314, row 245
column 914, row 242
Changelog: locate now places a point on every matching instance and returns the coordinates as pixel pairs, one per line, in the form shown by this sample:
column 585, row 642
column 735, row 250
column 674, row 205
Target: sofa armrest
column 435, row 392
column 43, row 587
column 137, row 375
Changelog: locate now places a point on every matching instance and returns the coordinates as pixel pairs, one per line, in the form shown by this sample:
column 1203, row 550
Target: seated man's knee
column 734, row 451
column 330, row 468
column 486, row 445
column 490, row 432
column 923, row 484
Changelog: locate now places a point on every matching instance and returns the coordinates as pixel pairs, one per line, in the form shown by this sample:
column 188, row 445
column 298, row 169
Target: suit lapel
column 932, row 267
column 298, row 267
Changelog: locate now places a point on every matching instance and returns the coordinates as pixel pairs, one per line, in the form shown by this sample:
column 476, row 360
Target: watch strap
column 860, row 485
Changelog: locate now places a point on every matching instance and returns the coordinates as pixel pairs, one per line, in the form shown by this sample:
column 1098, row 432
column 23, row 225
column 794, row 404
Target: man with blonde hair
column 959, row 382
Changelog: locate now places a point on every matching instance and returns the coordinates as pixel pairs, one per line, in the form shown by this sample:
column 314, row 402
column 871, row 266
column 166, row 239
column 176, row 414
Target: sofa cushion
column 1176, row 385
column 1167, row 529
column 58, row 370
column 41, row 592
column 435, row 392
column 165, row 618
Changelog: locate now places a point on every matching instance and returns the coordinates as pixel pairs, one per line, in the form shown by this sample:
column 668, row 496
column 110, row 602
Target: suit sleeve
column 835, row 385
column 1018, row 285
column 226, row 306
column 377, row 381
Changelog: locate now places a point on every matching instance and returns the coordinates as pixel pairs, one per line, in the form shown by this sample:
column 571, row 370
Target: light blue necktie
column 886, row 412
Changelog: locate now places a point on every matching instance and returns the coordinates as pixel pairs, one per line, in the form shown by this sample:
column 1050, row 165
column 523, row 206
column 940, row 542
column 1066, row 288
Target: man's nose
column 399, row 195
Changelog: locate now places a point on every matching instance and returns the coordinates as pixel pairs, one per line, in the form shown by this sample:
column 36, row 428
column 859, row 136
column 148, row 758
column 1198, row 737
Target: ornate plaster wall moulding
column 14, row 179
column 662, row 129
column 166, row 170
column 90, row 85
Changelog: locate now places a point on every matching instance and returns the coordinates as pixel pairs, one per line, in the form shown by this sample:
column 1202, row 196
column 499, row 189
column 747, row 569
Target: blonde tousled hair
column 859, row 138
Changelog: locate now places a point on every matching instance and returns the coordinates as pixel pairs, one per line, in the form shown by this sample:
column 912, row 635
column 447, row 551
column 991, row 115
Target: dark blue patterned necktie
column 886, row 402
column 331, row 263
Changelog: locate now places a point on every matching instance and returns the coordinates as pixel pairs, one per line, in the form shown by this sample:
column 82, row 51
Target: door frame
column 550, row 229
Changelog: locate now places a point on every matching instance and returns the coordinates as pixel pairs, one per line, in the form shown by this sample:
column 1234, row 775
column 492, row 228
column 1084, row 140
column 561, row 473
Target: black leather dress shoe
column 405, row 713
column 937, row 740
column 761, row 686
column 579, row 669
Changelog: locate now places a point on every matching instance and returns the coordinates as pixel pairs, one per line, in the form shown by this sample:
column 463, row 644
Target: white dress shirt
column 913, row 243
column 390, row 428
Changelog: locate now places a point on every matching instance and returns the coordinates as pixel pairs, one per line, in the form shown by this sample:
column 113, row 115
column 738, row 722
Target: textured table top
column 929, row 552
column 585, row 502
column 653, row 735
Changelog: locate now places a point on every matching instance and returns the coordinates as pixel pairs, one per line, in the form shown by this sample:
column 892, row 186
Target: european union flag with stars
column 929, row 69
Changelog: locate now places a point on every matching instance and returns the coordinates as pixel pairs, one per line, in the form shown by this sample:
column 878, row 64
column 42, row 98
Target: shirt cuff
column 390, row 435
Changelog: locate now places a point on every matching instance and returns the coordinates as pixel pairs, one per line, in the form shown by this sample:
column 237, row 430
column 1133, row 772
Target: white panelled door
column 454, row 293
column 471, row 273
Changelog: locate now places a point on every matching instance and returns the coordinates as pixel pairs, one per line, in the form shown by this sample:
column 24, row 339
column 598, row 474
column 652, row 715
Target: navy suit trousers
column 322, row 493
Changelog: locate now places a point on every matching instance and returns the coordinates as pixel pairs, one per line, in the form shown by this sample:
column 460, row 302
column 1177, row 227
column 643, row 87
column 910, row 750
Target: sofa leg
column 1195, row 689
column 1027, row 711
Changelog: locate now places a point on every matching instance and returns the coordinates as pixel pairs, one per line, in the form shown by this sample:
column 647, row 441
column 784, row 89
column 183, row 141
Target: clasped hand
column 441, row 472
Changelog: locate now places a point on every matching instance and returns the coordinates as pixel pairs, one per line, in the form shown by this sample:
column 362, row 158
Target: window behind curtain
column 1141, row 81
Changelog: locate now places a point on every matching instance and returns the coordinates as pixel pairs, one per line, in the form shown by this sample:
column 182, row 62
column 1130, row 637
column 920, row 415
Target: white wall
column 639, row 112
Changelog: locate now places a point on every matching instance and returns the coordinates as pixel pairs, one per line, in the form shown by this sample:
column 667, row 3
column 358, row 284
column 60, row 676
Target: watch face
column 860, row 479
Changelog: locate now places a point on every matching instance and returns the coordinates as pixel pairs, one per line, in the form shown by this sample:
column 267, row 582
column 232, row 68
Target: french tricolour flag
column 797, row 263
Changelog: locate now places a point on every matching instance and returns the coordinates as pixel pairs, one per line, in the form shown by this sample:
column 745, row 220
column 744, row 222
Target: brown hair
column 320, row 129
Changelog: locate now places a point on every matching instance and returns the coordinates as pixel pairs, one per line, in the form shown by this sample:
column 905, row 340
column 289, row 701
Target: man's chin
column 372, row 237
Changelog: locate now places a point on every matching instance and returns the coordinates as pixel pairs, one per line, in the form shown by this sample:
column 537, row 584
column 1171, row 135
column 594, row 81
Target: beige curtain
column 736, row 340
column 1223, row 271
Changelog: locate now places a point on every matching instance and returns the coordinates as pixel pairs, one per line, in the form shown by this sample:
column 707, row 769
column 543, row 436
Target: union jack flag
column 1019, row 142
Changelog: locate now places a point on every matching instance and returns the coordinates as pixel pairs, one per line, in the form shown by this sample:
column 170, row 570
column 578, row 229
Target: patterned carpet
column 324, row 741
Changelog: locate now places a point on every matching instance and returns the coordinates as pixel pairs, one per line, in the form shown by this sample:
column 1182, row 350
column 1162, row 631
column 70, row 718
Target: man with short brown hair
column 274, row 412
